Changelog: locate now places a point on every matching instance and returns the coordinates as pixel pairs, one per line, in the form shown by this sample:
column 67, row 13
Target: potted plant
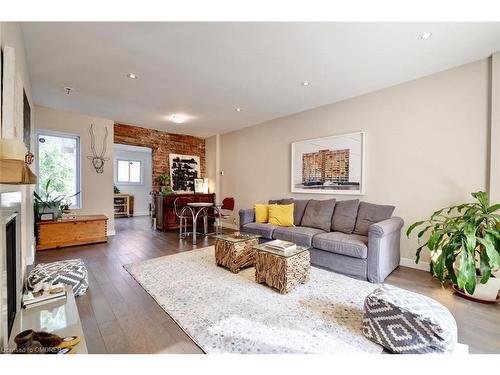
column 65, row 207
column 48, row 204
column 464, row 242
column 164, row 181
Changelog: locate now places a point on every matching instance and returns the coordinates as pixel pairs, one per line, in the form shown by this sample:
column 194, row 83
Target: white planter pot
column 488, row 291
column 484, row 292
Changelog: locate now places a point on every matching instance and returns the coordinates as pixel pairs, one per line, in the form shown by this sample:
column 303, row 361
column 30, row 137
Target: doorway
column 132, row 181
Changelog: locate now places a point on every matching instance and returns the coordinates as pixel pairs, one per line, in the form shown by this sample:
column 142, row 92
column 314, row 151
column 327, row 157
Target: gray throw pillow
column 344, row 216
column 298, row 210
column 318, row 214
column 369, row 214
column 281, row 201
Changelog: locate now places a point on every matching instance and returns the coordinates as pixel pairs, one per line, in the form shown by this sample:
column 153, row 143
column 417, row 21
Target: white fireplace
column 16, row 251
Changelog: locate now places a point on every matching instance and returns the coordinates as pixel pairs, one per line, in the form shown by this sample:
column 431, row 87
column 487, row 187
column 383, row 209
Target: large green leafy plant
column 46, row 201
column 469, row 232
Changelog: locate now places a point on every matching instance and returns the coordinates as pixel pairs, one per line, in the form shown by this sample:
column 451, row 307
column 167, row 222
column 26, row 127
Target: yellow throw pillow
column 261, row 213
column 281, row 215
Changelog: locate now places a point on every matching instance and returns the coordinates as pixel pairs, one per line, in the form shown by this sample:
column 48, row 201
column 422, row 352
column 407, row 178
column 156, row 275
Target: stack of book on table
column 57, row 292
column 281, row 246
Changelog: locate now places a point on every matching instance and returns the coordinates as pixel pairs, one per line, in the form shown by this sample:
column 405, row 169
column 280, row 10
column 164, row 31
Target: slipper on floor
column 66, row 350
column 69, row 341
column 50, row 340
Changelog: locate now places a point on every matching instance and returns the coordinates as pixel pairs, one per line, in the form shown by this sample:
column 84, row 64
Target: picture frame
column 329, row 165
column 183, row 170
column 199, row 185
column 48, row 216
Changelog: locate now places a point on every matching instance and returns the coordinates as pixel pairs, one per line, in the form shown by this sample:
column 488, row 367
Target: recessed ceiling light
column 179, row 118
column 306, row 83
column 132, row 76
column 424, row 36
column 238, row 109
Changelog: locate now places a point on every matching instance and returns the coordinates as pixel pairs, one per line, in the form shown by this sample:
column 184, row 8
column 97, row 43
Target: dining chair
column 224, row 211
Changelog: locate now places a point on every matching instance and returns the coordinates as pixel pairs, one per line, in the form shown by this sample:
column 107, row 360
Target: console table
column 165, row 211
column 81, row 230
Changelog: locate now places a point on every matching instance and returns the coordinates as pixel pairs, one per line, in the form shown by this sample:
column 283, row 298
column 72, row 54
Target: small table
column 280, row 270
column 235, row 251
column 196, row 209
column 59, row 317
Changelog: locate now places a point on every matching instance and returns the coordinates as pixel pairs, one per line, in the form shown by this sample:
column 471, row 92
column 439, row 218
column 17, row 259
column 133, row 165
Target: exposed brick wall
column 162, row 144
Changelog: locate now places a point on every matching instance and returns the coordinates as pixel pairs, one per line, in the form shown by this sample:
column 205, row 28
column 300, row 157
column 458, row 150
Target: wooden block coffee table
column 235, row 251
column 282, row 271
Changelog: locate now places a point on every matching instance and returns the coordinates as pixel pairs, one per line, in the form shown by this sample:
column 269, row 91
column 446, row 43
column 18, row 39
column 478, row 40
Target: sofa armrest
column 383, row 248
column 383, row 228
column 246, row 216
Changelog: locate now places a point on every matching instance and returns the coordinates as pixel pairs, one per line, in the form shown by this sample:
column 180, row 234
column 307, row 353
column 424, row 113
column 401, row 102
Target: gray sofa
column 354, row 238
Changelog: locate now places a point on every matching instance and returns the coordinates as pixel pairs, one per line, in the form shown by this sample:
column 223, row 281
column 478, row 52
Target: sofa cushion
column 318, row 214
column 369, row 214
column 302, row 236
column 344, row 216
column 299, row 209
column 261, row 213
column 408, row 323
column 281, row 201
column 352, row 245
column 281, row 214
column 265, row 230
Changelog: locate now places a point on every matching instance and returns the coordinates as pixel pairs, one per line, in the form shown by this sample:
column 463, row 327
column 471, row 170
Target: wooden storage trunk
column 70, row 232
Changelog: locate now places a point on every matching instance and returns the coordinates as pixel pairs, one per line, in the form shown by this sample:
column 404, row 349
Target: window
column 59, row 161
column 129, row 171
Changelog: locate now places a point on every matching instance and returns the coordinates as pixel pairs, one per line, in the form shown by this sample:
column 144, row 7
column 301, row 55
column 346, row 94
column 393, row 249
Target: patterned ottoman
column 70, row 272
column 408, row 323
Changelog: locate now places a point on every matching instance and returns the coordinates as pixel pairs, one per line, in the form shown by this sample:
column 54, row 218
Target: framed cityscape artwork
column 329, row 165
column 183, row 170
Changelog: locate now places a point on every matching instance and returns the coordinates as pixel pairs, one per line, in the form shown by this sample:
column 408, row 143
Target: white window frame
column 76, row 137
column 141, row 173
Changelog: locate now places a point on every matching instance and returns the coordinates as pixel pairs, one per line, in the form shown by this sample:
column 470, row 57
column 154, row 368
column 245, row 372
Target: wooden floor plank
column 119, row 316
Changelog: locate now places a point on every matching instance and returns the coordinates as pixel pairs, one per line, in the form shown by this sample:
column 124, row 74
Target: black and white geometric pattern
column 70, row 272
column 408, row 323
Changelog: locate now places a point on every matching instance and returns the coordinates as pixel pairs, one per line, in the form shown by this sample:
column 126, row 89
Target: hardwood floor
column 118, row 316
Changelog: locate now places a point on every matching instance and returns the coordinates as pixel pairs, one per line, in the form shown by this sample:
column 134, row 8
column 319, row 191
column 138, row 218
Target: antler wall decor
column 97, row 160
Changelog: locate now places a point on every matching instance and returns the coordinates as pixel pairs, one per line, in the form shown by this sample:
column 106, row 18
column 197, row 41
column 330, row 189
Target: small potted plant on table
column 164, row 181
column 464, row 242
column 46, row 204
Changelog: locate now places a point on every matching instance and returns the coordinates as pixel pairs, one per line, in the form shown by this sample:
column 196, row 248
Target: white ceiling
column 206, row 70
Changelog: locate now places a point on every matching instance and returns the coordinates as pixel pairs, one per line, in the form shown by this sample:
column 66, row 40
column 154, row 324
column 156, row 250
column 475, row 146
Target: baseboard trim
column 111, row 232
column 407, row 262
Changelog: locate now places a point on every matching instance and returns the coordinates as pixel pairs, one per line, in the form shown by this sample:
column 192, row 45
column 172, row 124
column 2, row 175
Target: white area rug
column 230, row 313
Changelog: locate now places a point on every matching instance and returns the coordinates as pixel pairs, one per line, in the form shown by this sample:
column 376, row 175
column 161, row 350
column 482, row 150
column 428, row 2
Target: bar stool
column 184, row 213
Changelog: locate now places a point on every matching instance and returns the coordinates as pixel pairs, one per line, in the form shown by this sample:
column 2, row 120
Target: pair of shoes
column 31, row 342
column 56, row 344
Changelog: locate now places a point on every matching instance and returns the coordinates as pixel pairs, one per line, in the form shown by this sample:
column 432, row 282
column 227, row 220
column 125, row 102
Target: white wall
column 212, row 164
column 495, row 130
column 96, row 189
column 139, row 191
column 426, row 145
